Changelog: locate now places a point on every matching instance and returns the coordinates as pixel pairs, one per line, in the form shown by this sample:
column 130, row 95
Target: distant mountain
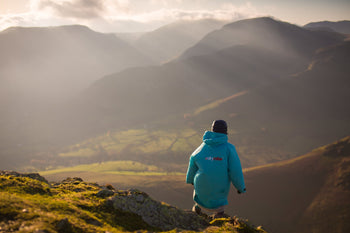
column 141, row 96
column 152, row 93
column 41, row 69
column 340, row 26
column 267, row 33
column 56, row 62
column 249, row 84
column 169, row 41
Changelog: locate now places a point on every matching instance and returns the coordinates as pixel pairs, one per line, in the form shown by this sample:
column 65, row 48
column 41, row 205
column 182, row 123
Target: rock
column 64, row 226
column 94, row 222
column 157, row 214
column 74, row 180
column 139, row 198
column 105, row 193
column 34, row 176
column 110, row 187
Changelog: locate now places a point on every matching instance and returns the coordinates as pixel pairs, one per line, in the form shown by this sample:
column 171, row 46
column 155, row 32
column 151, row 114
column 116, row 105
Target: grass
column 113, row 167
column 25, row 210
column 73, row 206
column 134, row 141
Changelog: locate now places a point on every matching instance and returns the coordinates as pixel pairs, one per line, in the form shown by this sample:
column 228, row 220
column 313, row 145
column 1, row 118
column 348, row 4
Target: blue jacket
column 212, row 168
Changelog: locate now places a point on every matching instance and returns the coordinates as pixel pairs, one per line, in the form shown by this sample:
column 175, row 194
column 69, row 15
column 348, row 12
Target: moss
column 24, row 185
column 28, row 205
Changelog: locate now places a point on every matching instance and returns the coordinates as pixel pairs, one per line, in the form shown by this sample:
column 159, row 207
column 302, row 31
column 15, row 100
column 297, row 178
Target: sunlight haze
column 146, row 15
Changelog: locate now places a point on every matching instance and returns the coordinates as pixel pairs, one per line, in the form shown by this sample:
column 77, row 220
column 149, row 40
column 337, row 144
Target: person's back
column 212, row 167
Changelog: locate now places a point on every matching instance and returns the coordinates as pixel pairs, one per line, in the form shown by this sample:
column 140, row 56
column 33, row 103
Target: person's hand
column 239, row 192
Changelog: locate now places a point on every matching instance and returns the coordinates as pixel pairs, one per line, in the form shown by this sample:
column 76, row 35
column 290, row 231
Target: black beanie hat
column 219, row 126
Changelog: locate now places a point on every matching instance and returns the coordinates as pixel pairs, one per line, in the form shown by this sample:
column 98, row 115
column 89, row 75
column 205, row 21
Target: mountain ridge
column 339, row 26
column 263, row 32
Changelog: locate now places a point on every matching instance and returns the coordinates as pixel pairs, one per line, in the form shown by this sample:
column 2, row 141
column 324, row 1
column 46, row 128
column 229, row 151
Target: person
column 212, row 167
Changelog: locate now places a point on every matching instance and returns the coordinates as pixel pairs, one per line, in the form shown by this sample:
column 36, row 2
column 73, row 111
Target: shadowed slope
column 307, row 194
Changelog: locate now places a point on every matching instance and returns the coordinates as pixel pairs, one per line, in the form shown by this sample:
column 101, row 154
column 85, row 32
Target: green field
column 113, row 167
column 137, row 141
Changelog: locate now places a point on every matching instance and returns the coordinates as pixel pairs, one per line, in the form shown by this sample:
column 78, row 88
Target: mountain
column 183, row 84
column 265, row 32
column 54, row 63
column 255, row 79
column 169, row 41
column 77, row 206
column 250, row 85
column 340, row 26
column 41, row 69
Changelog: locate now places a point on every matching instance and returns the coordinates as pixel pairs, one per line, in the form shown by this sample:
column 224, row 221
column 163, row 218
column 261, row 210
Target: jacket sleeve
column 191, row 171
column 235, row 169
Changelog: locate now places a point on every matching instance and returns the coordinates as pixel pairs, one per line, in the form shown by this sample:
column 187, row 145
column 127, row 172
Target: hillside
column 307, row 194
column 28, row 203
column 169, row 41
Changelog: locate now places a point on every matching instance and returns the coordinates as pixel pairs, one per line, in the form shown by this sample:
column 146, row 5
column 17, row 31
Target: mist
column 76, row 101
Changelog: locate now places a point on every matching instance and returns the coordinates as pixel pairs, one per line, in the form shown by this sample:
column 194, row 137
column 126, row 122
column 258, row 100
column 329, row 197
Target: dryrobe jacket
column 212, row 168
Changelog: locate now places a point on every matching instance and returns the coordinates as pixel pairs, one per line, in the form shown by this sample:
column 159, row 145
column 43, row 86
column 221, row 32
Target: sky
column 146, row 15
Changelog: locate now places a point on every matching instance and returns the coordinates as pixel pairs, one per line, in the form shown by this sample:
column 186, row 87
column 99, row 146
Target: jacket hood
column 213, row 138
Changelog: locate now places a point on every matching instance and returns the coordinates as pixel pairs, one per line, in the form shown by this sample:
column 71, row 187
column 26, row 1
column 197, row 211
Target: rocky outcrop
column 155, row 213
column 77, row 206
column 34, row 176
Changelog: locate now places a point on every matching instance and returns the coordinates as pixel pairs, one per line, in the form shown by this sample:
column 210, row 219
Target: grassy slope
column 27, row 205
column 30, row 205
column 112, row 167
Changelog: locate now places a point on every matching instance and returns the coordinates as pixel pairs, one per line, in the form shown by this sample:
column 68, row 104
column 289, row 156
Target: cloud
column 225, row 12
column 74, row 9
column 123, row 15
column 80, row 9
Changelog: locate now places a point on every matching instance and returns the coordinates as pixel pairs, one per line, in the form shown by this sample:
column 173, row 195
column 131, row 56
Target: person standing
column 213, row 166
